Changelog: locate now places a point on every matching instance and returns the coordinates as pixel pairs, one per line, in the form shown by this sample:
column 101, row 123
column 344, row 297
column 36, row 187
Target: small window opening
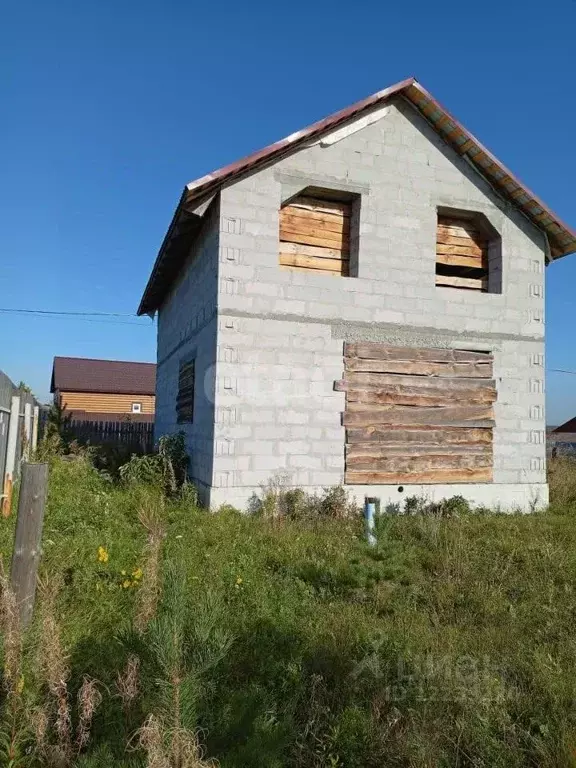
column 468, row 253
column 315, row 234
column 136, row 407
column 186, row 387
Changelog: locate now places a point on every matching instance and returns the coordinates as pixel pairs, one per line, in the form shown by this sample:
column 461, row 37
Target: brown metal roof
column 177, row 241
column 80, row 374
column 569, row 426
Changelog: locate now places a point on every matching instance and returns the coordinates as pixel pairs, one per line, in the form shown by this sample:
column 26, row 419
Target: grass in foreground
column 291, row 642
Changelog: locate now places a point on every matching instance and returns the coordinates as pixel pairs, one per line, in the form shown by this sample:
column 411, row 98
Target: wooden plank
column 381, row 450
column 421, row 368
column 419, row 397
column 362, row 477
column 313, row 262
column 360, row 414
column 343, row 273
column 468, row 225
column 314, row 250
column 418, row 463
column 325, row 240
column 471, row 283
column 334, row 221
column 455, row 260
column 464, row 242
column 325, row 206
column 375, row 350
column 382, row 380
column 459, row 250
column 403, row 435
column 462, row 233
column 310, row 221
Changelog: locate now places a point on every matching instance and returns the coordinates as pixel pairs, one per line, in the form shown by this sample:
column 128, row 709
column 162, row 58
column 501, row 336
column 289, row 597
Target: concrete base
column 501, row 497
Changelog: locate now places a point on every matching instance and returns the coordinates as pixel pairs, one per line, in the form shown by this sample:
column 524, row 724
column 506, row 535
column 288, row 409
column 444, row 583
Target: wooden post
column 35, row 425
column 28, row 540
column 27, row 430
column 8, row 479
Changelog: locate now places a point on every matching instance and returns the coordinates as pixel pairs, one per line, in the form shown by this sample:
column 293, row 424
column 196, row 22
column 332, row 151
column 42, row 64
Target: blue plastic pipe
column 369, row 513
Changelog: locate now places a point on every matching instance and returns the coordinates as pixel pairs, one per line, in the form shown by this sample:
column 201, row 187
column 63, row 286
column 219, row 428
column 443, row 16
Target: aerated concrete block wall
column 280, row 333
column 187, row 329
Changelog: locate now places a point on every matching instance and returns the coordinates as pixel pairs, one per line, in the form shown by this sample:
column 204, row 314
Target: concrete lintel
column 292, row 183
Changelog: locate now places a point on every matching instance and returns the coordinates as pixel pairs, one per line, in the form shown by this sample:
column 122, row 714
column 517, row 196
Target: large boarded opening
column 417, row 415
column 315, row 235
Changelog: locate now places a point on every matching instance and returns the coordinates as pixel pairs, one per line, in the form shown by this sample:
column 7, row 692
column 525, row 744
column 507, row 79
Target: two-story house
column 361, row 303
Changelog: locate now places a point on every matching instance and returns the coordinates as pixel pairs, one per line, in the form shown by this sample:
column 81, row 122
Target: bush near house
column 167, row 637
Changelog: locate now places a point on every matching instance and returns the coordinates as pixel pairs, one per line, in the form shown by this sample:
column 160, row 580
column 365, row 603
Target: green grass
column 451, row 643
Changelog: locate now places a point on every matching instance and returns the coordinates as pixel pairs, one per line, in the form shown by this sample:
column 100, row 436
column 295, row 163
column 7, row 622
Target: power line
column 88, row 317
column 561, row 370
column 65, row 312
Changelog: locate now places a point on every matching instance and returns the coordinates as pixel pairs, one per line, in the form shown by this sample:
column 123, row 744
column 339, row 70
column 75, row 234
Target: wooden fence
column 135, row 436
column 19, row 419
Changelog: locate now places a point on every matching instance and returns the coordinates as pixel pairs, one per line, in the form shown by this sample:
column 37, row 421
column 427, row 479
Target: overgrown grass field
column 168, row 637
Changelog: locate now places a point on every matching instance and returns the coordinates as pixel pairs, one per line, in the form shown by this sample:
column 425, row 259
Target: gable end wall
column 281, row 332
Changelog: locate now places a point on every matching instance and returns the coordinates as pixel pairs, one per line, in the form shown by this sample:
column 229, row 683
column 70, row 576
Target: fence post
column 8, row 479
column 35, row 426
column 28, row 539
column 27, row 430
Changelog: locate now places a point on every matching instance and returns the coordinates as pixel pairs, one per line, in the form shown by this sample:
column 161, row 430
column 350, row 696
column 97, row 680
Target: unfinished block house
column 361, row 303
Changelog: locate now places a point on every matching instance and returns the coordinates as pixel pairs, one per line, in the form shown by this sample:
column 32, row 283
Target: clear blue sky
column 109, row 108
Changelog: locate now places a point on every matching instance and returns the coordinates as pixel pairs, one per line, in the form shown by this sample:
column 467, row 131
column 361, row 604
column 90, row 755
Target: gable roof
column 569, row 426
column 184, row 225
column 80, row 374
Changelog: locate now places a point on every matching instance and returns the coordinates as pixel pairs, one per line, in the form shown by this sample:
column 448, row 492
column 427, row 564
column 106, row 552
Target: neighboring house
column 562, row 439
column 386, row 242
column 104, row 390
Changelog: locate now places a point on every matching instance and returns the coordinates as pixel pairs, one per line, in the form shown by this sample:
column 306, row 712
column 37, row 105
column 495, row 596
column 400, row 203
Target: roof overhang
column 188, row 216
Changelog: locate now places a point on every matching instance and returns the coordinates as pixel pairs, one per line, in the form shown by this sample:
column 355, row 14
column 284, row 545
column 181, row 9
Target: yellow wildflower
column 239, row 580
column 123, row 573
column 126, row 583
column 102, row 555
column 137, row 574
column 20, row 685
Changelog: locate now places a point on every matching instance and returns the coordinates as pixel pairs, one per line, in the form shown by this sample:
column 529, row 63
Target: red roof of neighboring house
column 569, row 426
column 185, row 224
column 80, row 374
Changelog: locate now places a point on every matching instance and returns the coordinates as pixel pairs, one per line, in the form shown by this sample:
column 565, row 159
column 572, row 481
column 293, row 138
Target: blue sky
column 109, row 108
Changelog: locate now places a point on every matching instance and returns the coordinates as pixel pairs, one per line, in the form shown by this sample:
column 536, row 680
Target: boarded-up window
column 461, row 254
column 417, row 415
column 315, row 235
column 185, row 400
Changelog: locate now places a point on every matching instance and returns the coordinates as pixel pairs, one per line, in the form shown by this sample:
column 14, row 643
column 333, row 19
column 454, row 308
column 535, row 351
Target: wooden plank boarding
column 419, row 463
column 377, row 351
column 418, row 396
column 430, row 477
column 417, row 415
column 421, row 435
column 365, row 415
column 472, row 283
column 315, row 235
column 380, row 450
column 417, row 368
column 461, row 255
column 366, row 380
